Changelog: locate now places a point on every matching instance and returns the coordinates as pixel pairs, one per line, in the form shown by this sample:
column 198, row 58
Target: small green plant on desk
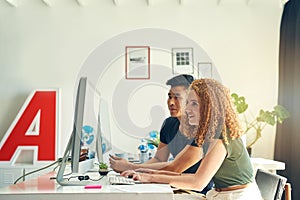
column 103, row 168
column 265, row 117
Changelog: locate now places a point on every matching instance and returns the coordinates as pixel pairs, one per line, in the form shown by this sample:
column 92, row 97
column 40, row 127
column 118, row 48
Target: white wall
column 45, row 46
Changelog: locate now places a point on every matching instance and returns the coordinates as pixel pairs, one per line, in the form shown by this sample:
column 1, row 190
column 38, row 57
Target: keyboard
column 120, row 180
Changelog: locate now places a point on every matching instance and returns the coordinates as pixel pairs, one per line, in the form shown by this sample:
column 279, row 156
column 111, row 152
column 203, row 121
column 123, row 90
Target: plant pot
column 103, row 172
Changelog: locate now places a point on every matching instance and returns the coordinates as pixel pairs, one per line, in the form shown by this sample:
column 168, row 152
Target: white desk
column 44, row 188
column 267, row 164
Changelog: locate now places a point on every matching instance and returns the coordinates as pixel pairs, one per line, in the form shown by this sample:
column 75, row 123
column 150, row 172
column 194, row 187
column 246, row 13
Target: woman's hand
column 128, row 173
column 137, row 176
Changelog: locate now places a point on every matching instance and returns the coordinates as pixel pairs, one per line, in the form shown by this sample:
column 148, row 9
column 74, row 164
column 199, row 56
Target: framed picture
column 204, row 70
column 137, row 62
column 182, row 60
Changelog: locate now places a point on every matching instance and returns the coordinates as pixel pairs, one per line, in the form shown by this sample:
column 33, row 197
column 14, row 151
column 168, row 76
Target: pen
column 93, row 187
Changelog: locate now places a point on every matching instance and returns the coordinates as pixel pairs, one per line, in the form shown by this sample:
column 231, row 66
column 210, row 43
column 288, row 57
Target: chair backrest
column 271, row 185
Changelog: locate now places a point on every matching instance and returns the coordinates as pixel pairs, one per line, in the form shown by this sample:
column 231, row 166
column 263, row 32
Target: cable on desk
column 34, row 171
column 85, row 177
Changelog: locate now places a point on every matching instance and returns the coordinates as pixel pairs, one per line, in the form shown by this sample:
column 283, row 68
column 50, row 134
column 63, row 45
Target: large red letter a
column 34, row 126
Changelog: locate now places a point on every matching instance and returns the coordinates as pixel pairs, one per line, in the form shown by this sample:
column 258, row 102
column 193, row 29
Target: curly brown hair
column 218, row 118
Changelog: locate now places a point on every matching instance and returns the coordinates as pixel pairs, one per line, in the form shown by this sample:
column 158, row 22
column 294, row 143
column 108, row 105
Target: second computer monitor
column 103, row 144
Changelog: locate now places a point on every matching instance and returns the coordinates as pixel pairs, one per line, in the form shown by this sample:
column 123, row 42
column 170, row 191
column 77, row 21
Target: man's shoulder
column 170, row 124
column 169, row 129
column 172, row 120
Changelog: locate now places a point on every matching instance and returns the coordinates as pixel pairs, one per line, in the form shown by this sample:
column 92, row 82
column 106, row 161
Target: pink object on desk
column 93, row 187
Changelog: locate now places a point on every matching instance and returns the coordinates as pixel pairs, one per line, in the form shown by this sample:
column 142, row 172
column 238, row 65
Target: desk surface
column 42, row 187
column 267, row 164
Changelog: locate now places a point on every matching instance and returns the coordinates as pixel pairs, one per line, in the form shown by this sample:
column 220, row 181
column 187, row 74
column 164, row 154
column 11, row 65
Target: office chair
column 288, row 191
column 272, row 185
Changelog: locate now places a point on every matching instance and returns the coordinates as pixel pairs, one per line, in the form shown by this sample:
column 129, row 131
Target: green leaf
column 239, row 103
column 278, row 114
column 266, row 116
column 281, row 112
column 103, row 165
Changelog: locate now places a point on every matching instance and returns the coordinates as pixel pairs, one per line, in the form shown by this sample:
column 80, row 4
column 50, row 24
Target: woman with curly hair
column 211, row 120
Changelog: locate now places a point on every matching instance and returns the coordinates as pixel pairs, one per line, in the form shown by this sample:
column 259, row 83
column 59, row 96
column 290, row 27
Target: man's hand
column 119, row 164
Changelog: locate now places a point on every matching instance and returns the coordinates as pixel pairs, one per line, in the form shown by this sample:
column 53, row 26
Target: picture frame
column 137, row 64
column 182, row 60
column 205, row 70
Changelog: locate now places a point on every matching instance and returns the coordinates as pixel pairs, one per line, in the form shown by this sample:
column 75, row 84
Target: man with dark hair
column 181, row 80
column 185, row 151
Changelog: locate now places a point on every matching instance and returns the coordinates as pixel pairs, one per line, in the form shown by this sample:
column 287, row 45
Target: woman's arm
column 185, row 159
column 189, row 156
column 154, row 171
column 207, row 169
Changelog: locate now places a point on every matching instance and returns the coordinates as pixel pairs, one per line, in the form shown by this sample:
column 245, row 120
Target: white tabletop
column 267, row 164
column 44, row 188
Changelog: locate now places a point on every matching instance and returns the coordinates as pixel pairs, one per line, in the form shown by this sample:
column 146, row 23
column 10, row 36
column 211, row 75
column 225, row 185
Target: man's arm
column 157, row 162
column 189, row 156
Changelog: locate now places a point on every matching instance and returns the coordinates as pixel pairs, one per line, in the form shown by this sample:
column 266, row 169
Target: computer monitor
column 78, row 124
column 84, row 114
column 103, row 144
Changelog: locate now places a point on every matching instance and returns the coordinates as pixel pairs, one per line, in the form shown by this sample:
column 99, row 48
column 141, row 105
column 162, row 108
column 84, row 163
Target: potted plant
column 103, row 168
column 264, row 118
